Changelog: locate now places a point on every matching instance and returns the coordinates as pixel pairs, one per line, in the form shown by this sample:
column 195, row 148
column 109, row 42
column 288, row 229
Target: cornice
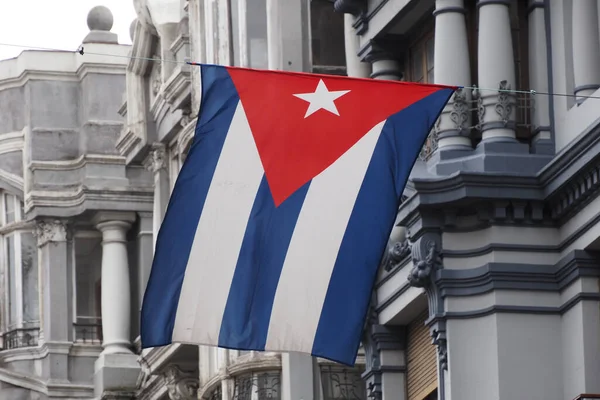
column 510, row 276
column 11, row 142
column 68, row 203
column 77, row 163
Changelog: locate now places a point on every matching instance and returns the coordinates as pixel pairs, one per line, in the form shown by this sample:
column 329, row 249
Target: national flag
column 282, row 210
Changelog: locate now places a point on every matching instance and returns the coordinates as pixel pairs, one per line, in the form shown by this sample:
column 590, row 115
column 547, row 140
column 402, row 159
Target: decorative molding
column 504, row 106
column 157, row 158
column 395, row 255
column 50, row 232
column 181, row 385
column 459, row 113
column 390, row 47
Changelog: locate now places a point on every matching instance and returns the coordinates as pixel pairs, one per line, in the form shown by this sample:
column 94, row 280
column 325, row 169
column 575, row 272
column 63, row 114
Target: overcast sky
column 60, row 24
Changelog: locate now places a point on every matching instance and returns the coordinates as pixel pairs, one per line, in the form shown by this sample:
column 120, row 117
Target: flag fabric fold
column 282, row 210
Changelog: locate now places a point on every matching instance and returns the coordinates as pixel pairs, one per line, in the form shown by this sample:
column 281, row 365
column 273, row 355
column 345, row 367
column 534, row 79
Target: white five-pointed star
column 322, row 98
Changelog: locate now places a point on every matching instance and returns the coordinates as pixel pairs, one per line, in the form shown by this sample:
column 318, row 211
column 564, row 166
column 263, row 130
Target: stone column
column 117, row 367
column 586, row 48
column 156, row 163
column 56, row 268
column 385, row 374
column 538, row 78
column 355, row 67
column 383, row 62
column 496, row 69
column 452, row 48
column 297, row 376
column 288, row 35
column 116, row 290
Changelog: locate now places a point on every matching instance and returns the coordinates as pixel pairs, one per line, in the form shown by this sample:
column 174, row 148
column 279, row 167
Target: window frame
column 13, row 229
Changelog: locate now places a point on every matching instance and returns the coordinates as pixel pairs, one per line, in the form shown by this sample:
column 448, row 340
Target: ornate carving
column 459, row 114
column 50, row 231
column 426, row 258
column 439, row 339
column 395, row 254
column 480, row 107
column 157, row 158
column 504, row 105
column 181, row 385
column 186, row 117
column 156, row 78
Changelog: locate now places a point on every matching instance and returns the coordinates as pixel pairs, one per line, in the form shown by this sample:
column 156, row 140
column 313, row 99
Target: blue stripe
column 345, row 307
column 176, row 235
column 248, row 311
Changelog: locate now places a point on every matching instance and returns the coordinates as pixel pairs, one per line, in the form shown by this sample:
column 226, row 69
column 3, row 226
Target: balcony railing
column 88, row 330
column 524, row 105
column 19, row 338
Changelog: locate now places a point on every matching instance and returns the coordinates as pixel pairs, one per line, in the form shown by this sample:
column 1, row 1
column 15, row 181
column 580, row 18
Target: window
column 87, row 326
column 419, row 61
column 249, row 33
column 18, row 265
column 327, row 38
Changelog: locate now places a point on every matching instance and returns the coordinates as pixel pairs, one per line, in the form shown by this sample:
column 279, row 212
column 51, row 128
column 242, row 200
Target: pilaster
column 56, row 268
column 427, row 261
column 156, row 162
column 385, row 374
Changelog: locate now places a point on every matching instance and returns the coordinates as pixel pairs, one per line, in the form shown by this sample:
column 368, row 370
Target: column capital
column 181, row 385
column 354, row 7
column 157, row 158
column 50, row 231
column 102, row 217
column 449, row 6
column 390, row 47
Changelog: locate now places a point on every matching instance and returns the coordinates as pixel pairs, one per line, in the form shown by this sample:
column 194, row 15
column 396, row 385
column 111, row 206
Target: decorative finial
column 100, row 21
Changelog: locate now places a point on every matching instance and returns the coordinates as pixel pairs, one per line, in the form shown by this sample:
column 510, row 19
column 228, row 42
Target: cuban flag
column 282, row 210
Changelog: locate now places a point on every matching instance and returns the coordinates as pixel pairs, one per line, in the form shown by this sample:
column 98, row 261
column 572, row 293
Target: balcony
column 523, row 103
column 20, row 338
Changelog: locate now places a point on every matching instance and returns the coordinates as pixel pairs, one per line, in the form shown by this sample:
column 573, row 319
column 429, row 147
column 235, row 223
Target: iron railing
column 19, row 338
column 341, row 383
column 88, row 330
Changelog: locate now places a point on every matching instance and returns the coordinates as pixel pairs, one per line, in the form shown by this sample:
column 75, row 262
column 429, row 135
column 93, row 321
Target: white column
column 156, row 163
column 297, row 373
column 452, row 49
column 384, row 64
column 355, row 67
column 538, row 74
column 288, row 35
column 496, row 70
column 586, row 48
column 116, row 290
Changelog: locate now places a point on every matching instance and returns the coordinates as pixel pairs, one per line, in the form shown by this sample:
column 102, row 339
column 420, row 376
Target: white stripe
column 219, row 236
column 314, row 248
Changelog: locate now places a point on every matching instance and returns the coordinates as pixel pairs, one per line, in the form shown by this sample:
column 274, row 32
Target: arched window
column 19, row 271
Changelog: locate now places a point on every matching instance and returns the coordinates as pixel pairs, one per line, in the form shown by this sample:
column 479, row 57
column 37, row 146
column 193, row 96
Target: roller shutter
column 421, row 360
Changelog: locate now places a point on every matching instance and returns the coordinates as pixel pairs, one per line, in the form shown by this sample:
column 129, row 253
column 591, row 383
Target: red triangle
column 294, row 149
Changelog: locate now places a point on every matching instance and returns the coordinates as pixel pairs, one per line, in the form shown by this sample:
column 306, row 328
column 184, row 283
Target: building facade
column 494, row 258
column 489, row 288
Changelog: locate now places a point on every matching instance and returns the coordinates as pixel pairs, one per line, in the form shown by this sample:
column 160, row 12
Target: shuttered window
column 422, row 360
